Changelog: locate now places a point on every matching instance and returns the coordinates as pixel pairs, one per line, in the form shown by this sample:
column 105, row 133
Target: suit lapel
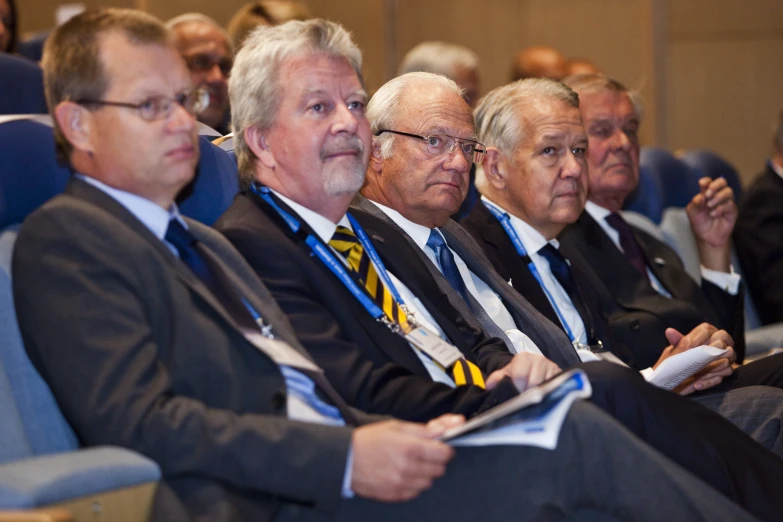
column 87, row 192
column 507, row 261
column 405, row 357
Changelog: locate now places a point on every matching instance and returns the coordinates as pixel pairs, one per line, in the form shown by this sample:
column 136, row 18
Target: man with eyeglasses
column 206, row 48
column 154, row 334
column 302, row 146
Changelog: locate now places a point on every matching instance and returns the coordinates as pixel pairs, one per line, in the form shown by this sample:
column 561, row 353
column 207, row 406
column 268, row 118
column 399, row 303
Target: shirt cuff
column 647, row 373
column 728, row 282
column 347, row 491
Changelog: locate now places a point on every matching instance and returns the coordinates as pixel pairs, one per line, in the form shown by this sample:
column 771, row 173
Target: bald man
column 206, row 48
column 539, row 61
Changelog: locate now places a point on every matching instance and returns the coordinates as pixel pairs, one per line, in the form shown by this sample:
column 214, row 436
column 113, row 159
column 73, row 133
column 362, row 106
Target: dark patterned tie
column 345, row 241
column 628, row 243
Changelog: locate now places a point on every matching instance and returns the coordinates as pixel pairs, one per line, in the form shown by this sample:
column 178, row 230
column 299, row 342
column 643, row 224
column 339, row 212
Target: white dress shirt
column 729, row 282
column 325, row 229
column 488, row 299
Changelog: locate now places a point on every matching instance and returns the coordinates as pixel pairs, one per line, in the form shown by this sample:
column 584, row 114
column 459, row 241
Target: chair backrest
column 21, row 85
column 44, row 428
column 679, row 235
column 215, row 185
column 679, row 182
column 30, row 174
column 647, row 198
column 32, row 47
column 708, row 163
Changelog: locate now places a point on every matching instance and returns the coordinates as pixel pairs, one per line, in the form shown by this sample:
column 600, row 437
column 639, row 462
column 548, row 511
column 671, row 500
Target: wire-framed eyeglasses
column 439, row 144
column 157, row 107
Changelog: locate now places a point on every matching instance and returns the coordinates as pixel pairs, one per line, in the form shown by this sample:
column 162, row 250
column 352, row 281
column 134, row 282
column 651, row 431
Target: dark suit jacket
column 758, row 240
column 489, row 234
column 641, row 315
column 552, row 342
column 372, row 368
column 140, row 354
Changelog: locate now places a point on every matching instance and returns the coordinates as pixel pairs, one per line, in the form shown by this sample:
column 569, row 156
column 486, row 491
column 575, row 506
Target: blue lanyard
column 328, row 258
column 505, row 222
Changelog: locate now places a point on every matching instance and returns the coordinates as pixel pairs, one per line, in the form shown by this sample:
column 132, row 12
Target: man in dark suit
column 154, row 334
column 527, row 200
column 757, row 235
column 302, row 151
column 644, row 276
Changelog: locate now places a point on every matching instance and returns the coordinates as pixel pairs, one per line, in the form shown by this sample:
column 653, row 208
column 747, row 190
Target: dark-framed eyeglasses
column 439, row 144
column 205, row 62
column 157, row 107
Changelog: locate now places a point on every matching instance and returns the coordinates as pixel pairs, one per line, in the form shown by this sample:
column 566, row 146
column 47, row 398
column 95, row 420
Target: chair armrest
column 49, row 479
column 761, row 339
column 38, row 515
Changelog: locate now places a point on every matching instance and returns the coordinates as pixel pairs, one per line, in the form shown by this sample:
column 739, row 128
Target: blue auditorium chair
column 27, row 146
column 32, row 47
column 679, row 182
column 21, row 85
column 647, row 199
column 709, row 164
column 41, row 464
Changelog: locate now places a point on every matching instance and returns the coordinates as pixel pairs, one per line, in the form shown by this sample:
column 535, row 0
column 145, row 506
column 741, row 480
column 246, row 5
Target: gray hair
column 254, row 88
column 439, row 58
column 384, row 107
column 498, row 121
column 601, row 82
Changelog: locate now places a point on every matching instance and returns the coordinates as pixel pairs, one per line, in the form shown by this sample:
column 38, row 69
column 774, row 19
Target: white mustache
column 344, row 144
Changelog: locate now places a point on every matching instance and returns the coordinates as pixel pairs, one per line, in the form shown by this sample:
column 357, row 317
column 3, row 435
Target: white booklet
column 672, row 371
column 533, row 418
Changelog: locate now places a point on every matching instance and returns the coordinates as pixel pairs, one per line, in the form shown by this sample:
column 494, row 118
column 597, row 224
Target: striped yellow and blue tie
column 346, row 243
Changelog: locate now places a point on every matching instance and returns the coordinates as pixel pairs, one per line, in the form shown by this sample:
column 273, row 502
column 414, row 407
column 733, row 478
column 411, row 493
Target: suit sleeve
column 757, row 238
column 388, row 388
column 80, row 295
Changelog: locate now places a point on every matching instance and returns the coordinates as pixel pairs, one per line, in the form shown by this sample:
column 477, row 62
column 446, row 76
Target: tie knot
column 436, row 241
column 343, row 240
column 178, row 235
column 552, row 255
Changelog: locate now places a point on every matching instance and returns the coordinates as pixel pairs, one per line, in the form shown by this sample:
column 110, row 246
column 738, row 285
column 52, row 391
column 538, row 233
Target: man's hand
column 712, row 213
column 713, row 373
column 525, row 370
column 394, row 461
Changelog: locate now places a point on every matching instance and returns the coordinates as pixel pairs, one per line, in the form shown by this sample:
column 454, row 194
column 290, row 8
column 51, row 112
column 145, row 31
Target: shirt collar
column 152, row 215
column 777, row 168
column 323, row 227
column 531, row 238
column 419, row 233
column 596, row 211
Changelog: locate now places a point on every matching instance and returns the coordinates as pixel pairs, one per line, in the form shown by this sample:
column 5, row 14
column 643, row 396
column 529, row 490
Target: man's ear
column 495, row 168
column 376, row 158
column 256, row 141
column 75, row 122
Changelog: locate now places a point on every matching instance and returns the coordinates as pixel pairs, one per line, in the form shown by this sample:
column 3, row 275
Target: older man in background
column 206, row 48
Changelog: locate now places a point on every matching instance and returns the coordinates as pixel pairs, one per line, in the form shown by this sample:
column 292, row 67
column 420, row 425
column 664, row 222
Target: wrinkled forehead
column 427, row 110
column 606, row 104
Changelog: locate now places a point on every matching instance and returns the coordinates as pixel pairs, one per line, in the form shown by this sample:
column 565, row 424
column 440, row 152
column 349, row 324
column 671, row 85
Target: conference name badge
column 433, row 346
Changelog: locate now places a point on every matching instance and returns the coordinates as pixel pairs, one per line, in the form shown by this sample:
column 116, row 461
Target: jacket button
column 278, row 401
column 634, row 324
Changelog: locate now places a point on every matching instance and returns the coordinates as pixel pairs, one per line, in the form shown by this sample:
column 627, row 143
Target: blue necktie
column 447, row 265
column 562, row 272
